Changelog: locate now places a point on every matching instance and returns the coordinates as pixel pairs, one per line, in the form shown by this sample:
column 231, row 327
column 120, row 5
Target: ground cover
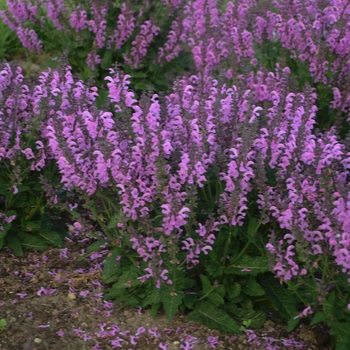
column 53, row 300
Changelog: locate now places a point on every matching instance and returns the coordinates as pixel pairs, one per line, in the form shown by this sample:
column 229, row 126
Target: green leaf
column 216, row 299
column 292, row 323
column 31, row 242
column 206, row 285
column 171, row 301
column 282, row 299
column 14, row 243
column 135, row 74
column 23, row 188
column 4, row 192
column 255, row 265
column 213, row 317
column 154, row 309
column 339, row 345
column 4, row 232
column 319, row 317
column 213, row 267
column 153, row 295
column 253, row 226
column 111, row 265
column 51, row 237
column 233, row 289
column 252, row 288
column 106, row 59
column 341, row 329
column 2, row 242
column 238, row 299
column 114, row 221
column 329, row 304
column 143, row 85
column 129, row 276
column 255, row 319
column 220, row 289
column 190, row 300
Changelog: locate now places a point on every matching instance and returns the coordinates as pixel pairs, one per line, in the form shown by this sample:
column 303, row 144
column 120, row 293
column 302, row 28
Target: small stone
column 127, row 313
column 71, row 296
column 242, row 337
column 176, row 342
column 84, row 325
column 269, row 325
column 37, row 340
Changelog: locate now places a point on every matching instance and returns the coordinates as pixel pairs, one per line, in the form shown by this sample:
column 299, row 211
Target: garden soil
column 53, row 300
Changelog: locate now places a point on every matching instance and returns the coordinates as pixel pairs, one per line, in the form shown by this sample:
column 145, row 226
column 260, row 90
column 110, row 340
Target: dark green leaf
column 213, row 317
column 281, row 298
column 31, row 242
column 329, row 304
column 238, row 299
column 319, row 317
column 154, row 309
column 341, row 329
column 23, row 188
column 213, row 267
column 233, row 289
column 252, row 226
column 292, row 323
column 111, row 266
column 138, row 74
column 216, row 299
column 252, row 288
column 206, row 285
column 106, row 59
column 143, row 86
column 51, row 237
column 255, row 319
column 114, row 221
column 190, row 300
column 14, row 243
column 255, row 265
column 153, row 295
column 171, row 301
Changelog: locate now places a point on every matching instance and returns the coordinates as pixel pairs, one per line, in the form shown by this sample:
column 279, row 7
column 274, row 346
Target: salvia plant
column 225, row 197
column 25, row 167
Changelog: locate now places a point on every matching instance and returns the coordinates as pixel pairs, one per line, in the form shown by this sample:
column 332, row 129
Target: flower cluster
column 157, row 153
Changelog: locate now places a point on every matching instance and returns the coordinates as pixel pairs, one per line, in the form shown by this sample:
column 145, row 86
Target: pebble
column 71, row 296
column 127, row 313
column 37, row 340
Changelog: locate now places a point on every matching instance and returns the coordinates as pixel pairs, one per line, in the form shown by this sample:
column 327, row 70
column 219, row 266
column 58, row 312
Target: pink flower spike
column 44, row 326
column 60, row 334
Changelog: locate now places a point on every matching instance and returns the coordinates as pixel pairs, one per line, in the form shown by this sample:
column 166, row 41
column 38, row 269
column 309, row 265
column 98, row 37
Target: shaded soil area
column 53, row 300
